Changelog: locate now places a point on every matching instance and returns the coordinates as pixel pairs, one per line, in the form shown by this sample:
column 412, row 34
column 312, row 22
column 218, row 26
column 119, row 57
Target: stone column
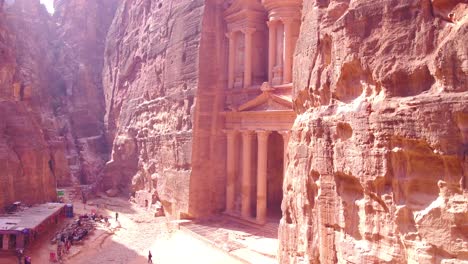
column 248, row 32
column 246, row 172
column 272, row 25
column 262, row 137
column 288, row 50
column 232, row 58
column 231, row 169
column 286, row 135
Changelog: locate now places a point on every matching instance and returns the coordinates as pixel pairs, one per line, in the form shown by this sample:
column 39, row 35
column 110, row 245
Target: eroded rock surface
column 51, row 99
column 82, row 27
column 161, row 75
column 150, row 77
column 31, row 152
column 378, row 153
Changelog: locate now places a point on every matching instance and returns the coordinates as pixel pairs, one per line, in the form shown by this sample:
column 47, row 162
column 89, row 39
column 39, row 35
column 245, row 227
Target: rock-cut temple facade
column 258, row 111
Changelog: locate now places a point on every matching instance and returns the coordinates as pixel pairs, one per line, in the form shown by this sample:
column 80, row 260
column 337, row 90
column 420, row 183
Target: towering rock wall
column 163, row 69
column 28, row 131
column 379, row 151
column 82, row 27
column 150, row 77
column 51, row 99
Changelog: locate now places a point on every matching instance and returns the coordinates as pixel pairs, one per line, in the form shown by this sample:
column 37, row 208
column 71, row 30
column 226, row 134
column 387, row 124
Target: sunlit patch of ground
column 128, row 240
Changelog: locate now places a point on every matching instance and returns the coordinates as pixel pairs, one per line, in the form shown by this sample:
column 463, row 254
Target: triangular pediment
column 267, row 101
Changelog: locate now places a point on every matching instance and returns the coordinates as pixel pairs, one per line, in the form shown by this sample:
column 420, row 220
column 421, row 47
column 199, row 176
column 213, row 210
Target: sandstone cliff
column 379, row 151
column 30, row 149
column 151, row 79
column 79, row 102
column 51, row 99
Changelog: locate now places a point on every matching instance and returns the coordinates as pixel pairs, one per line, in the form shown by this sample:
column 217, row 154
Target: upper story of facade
column 262, row 36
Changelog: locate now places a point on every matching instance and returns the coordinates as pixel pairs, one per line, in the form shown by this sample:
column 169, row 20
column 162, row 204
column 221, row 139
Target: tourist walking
column 116, row 216
column 150, row 260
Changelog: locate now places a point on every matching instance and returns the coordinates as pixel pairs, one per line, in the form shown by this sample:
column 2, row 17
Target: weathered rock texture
column 51, row 100
column 152, row 79
column 29, row 155
column 82, row 27
column 378, row 154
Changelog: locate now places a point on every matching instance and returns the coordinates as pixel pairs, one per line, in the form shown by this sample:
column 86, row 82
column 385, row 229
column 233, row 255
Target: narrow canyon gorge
column 345, row 121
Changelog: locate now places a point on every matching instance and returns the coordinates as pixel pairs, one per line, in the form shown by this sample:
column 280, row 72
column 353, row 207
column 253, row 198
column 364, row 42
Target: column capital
column 263, row 133
column 287, row 20
column 247, row 132
column 272, row 23
column 230, row 131
column 230, row 34
column 285, row 133
column 248, row 31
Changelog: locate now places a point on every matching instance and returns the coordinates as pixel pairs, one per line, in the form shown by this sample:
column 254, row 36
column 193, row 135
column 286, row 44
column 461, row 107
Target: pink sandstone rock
column 81, row 34
column 378, row 152
column 377, row 168
column 150, row 79
column 30, row 159
column 50, row 80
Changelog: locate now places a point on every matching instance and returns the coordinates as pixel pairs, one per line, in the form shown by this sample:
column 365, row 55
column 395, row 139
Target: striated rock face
column 30, row 149
column 378, row 154
column 51, row 100
column 150, row 76
column 160, row 57
column 82, row 27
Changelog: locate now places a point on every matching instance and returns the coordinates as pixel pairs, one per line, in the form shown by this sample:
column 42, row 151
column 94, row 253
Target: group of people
column 64, row 244
column 64, row 241
column 74, row 233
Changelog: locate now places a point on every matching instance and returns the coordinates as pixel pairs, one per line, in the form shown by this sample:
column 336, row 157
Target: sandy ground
column 128, row 240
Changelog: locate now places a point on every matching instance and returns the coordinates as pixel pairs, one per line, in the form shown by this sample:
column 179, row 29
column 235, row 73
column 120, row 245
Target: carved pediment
column 267, row 101
column 270, row 105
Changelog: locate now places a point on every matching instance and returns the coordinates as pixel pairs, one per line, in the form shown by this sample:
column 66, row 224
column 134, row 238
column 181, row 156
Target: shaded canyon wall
column 379, row 151
column 163, row 69
column 82, row 27
column 29, row 138
column 51, row 100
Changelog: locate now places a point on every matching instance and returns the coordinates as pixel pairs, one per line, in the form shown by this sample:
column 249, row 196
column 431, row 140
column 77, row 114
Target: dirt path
column 136, row 232
column 128, row 240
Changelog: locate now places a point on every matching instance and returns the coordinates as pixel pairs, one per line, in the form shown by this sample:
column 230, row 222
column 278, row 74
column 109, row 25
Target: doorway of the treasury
column 255, row 169
column 275, row 171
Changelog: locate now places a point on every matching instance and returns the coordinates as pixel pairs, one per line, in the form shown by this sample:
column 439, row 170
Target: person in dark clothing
column 116, row 216
column 150, row 257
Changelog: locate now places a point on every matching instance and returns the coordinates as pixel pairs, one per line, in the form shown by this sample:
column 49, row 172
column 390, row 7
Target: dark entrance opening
column 12, row 242
column 275, row 175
